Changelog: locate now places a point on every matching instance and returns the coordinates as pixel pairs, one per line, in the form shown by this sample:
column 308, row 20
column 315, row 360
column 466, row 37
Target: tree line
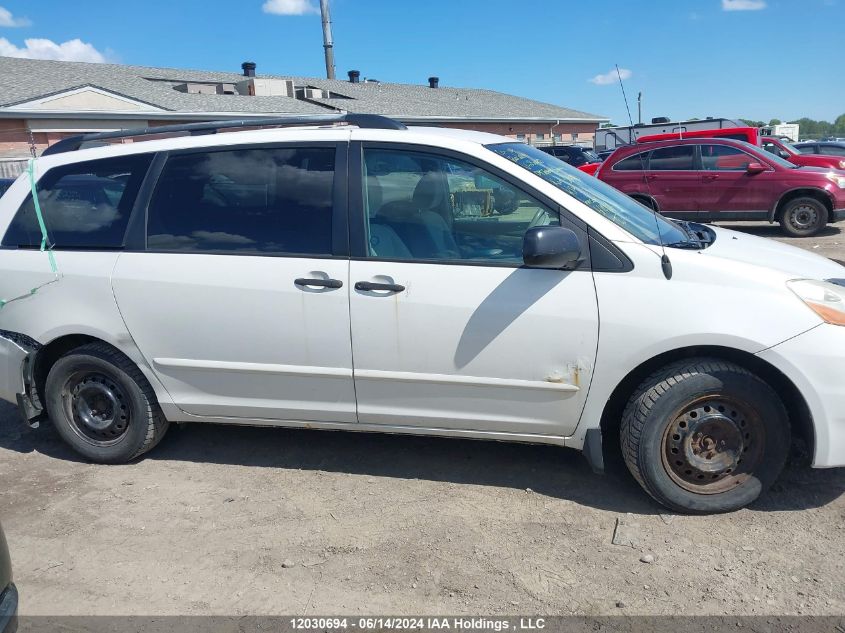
column 809, row 128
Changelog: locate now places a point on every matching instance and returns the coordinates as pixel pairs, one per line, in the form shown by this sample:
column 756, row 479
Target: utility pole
column 640, row 107
column 328, row 44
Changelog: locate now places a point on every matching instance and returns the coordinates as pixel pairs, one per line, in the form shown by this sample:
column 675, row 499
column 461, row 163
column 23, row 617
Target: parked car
column 772, row 144
column 8, row 591
column 5, row 183
column 721, row 179
column 574, row 155
column 789, row 152
column 824, row 148
column 363, row 277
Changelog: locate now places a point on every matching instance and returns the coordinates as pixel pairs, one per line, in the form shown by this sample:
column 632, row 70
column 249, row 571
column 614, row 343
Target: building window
column 540, row 136
column 557, row 138
column 520, row 137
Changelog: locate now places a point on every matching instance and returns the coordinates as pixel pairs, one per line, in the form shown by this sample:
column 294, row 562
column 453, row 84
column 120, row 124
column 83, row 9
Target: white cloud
column 39, row 48
column 7, row 19
column 611, row 77
column 289, row 7
column 743, row 5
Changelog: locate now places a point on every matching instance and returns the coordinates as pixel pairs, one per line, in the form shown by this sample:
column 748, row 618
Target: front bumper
column 9, row 610
column 815, row 363
column 17, row 355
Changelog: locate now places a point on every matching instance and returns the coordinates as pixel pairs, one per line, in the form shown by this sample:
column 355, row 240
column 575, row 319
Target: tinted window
column 256, row 200
column 833, row 150
column 85, row 205
column 427, row 207
column 679, row 158
column 724, row 158
column 806, row 149
column 637, row 162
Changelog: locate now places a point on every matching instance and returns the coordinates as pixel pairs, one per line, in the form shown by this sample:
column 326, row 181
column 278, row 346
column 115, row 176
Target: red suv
column 722, row 179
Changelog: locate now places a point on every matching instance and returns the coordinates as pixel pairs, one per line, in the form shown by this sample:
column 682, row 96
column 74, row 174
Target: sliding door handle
column 320, row 283
column 369, row 285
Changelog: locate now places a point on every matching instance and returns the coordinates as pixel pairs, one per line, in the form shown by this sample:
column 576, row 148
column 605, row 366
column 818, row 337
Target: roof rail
column 371, row 121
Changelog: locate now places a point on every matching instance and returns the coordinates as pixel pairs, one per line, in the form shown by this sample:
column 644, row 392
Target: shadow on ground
column 547, row 470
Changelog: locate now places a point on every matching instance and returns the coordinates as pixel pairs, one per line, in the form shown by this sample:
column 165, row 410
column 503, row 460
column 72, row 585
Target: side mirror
column 551, row 247
column 755, row 168
column 784, row 154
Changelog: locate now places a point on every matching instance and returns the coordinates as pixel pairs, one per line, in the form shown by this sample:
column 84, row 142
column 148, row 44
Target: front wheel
column 803, row 217
column 102, row 405
column 705, row 435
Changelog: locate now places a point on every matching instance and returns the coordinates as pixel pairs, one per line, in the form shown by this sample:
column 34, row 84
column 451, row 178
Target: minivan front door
column 449, row 330
column 240, row 301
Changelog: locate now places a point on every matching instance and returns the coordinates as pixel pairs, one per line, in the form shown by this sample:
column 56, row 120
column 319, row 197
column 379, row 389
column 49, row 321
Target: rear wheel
column 705, row 435
column 102, row 405
column 803, row 217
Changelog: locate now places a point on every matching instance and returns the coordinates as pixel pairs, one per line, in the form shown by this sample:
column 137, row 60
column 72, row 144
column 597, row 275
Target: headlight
column 839, row 180
column 822, row 297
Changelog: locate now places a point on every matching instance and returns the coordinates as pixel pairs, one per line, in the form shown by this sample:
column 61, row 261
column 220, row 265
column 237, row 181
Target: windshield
column 591, row 156
column 599, row 196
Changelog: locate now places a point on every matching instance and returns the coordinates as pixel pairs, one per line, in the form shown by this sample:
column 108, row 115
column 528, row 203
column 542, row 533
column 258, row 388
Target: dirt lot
column 226, row 520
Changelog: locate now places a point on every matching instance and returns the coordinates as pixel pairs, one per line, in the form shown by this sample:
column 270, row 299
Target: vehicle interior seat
column 383, row 241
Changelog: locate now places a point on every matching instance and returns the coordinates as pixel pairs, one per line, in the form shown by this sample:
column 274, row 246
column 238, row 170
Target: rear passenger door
column 673, row 181
column 235, row 291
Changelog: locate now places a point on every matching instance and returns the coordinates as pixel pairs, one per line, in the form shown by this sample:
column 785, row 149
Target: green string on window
column 44, row 239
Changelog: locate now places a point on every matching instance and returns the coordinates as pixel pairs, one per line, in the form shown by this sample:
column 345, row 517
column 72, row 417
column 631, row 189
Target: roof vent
column 660, row 119
column 249, row 69
column 433, row 82
column 354, row 76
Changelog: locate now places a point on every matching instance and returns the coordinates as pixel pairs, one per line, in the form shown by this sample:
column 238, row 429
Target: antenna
column 665, row 263
column 328, row 44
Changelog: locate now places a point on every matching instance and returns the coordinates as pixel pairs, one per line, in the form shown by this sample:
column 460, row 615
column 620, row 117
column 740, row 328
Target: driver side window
column 424, row 207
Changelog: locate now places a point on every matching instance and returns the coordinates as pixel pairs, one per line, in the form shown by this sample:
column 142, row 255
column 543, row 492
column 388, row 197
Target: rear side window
column 679, row 158
column 637, row 162
column 275, row 200
column 85, row 205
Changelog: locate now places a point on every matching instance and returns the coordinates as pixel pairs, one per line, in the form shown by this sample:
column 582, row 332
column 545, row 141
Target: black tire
column 803, row 217
column 705, row 435
column 102, row 405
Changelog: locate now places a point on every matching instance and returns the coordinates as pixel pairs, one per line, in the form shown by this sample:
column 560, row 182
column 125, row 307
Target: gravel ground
column 232, row 520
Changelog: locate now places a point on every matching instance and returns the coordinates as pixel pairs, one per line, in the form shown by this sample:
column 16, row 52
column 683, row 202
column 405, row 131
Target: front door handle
column 711, row 177
column 320, row 283
column 369, row 285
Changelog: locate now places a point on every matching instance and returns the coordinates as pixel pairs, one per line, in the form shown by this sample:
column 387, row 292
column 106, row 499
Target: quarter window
column 85, row 205
column 678, row 158
column 427, row 207
column 275, row 200
column 724, row 158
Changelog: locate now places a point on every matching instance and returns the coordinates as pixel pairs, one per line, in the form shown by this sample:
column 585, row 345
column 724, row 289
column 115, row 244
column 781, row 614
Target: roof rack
column 370, row 121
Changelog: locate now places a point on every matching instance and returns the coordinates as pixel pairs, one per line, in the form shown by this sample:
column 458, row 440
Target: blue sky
column 752, row 58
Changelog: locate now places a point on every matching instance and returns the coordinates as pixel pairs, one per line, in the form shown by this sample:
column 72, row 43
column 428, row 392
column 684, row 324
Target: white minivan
column 347, row 273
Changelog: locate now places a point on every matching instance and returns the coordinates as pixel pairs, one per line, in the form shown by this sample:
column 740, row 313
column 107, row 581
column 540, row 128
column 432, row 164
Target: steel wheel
column 713, row 445
column 803, row 217
column 98, row 408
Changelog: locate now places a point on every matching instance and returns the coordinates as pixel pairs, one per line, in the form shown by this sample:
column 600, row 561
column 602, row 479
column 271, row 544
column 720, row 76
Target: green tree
column 775, row 122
